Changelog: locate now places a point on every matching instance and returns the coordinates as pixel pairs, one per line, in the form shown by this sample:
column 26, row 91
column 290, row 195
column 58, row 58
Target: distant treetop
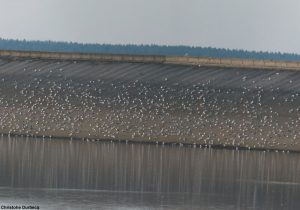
column 52, row 46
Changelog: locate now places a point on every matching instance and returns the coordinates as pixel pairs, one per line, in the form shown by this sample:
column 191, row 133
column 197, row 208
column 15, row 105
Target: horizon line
column 150, row 44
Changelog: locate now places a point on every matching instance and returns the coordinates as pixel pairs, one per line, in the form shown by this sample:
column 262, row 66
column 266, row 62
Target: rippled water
column 56, row 174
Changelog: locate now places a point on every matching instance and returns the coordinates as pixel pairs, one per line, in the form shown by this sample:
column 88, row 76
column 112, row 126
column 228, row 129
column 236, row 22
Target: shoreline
column 158, row 143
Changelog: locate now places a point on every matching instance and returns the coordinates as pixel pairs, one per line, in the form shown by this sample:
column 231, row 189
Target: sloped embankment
column 150, row 102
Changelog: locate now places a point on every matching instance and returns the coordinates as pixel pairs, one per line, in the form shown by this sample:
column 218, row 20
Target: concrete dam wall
column 150, row 99
column 180, row 60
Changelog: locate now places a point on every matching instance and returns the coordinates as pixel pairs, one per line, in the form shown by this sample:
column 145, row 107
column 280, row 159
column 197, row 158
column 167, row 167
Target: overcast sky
column 268, row 25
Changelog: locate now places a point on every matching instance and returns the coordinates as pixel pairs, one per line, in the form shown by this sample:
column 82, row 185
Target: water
column 64, row 174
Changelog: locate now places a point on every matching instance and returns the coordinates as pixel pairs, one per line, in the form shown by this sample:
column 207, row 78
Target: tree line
column 53, row 46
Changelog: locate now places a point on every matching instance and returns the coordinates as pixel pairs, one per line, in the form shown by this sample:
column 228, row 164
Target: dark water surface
column 64, row 174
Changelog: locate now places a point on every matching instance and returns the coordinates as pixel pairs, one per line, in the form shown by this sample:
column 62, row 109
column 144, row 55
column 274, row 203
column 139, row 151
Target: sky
column 261, row 25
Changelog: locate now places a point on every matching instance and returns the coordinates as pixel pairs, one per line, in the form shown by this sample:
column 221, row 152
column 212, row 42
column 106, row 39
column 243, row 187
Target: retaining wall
column 178, row 60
